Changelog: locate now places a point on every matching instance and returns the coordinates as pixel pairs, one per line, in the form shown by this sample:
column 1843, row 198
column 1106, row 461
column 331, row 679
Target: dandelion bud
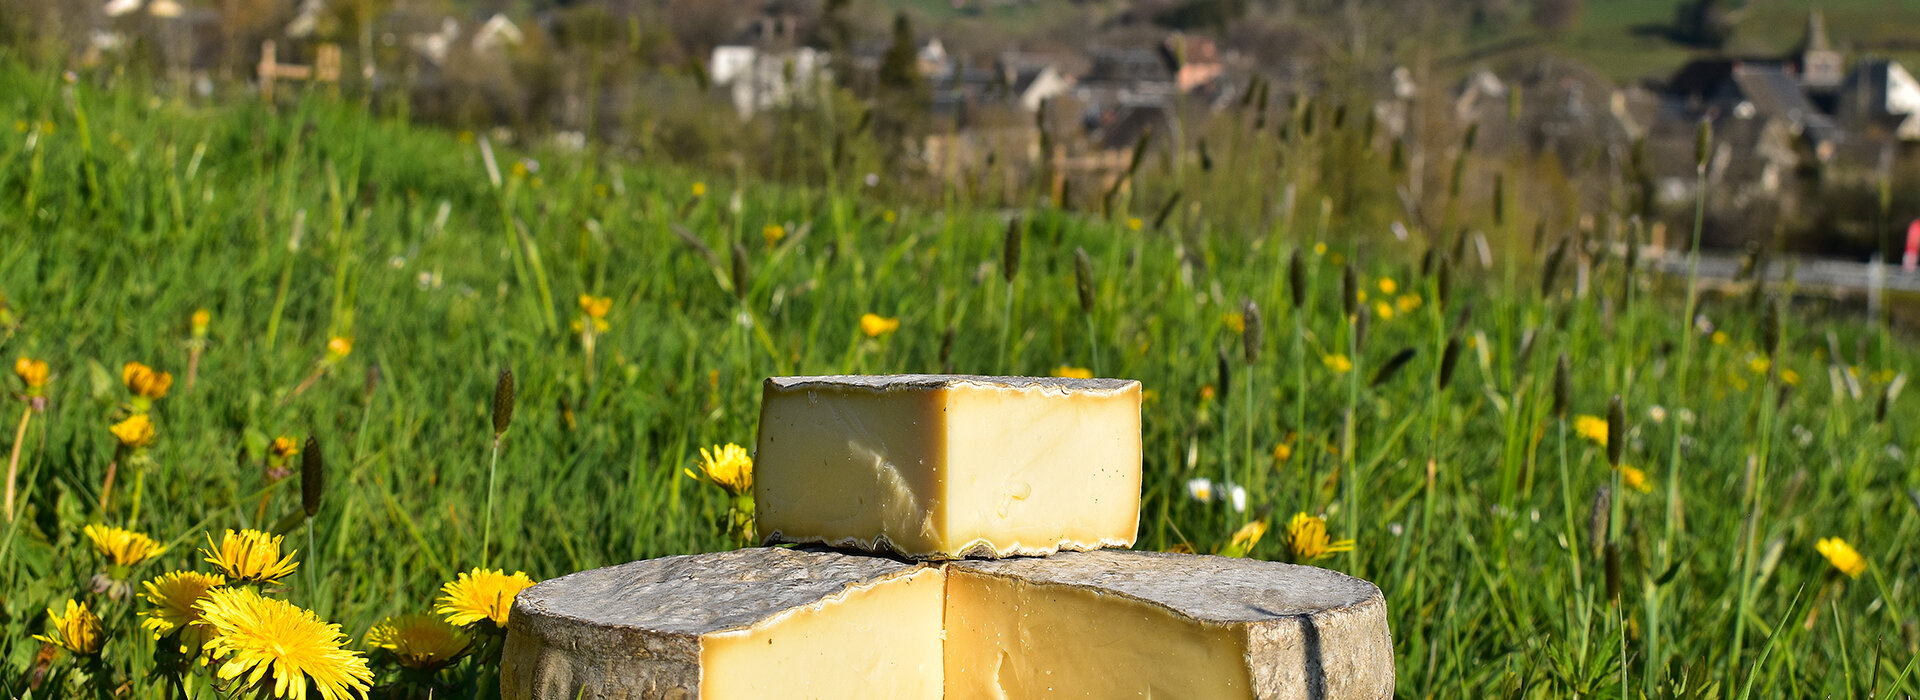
column 1392, row 366
column 1250, row 338
column 1702, row 145
column 502, row 403
column 1225, row 378
column 740, row 281
column 1350, row 291
column 1770, row 328
column 1083, row 278
column 1010, row 253
column 1449, row 359
column 1616, row 430
column 1562, row 387
column 312, row 478
column 1297, row 279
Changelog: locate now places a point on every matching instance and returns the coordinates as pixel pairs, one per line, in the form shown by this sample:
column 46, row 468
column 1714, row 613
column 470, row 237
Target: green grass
column 115, row 231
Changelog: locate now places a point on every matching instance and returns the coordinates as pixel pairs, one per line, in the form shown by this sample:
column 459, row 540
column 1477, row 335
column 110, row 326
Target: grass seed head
column 1251, row 337
column 946, row 350
column 1361, row 321
column 1616, row 429
column 502, row 403
column 1392, row 366
column 1083, row 279
column 1499, row 199
column 312, row 476
column 1449, row 359
column 740, row 281
column 1349, row 291
column 1770, row 328
column 1224, row 378
column 1702, row 145
column 1597, row 520
column 1550, row 271
column 1297, row 279
column 1562, row 386
column 1010, row 250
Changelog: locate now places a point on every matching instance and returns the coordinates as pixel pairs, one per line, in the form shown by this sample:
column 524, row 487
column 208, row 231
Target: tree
column 1556, row 16
column 903, row 94
column 1707, row 23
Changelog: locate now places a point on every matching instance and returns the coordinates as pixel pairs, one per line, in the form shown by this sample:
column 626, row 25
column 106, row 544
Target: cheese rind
column 1116, row 624
column 752, row 623
column 949, row 466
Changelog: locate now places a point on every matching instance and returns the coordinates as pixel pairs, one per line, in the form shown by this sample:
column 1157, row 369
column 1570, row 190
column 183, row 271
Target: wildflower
column 481, row 594
column 1307, row 538
column 1072, row 372
column 1383, row 310
column 1388, row 286
column 174, row 596
column 201, row 319
column 1759, row 365
column 889, row 216
column 1282, row 452
column 256, row 635
column 1237, row 495
column 594, row 310
column 339, row 347
column 1338, row 363
column 135, row 432
column 1206, row 393
column 249, row 557
column 33, row 373
column 419, row 642
column 78, row 630
column 1842, row 556
column 1200, row 489
column 122, row 547
column 1133, row 223
column 1592, row 428
column 1245, row 538
column 875, row 325
column 1319, row 249
column 1635, row 479
column 1657, row 413
column 1720, row 338
column 1790, row 377
column 144, row 382
column 1407, row 303
column 773, row 233
column 726, row 466
column 699, row 189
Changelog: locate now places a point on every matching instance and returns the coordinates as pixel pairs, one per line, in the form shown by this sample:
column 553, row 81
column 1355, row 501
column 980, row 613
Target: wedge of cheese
column 949, row 466
column 765, row 623
column 1119, row 624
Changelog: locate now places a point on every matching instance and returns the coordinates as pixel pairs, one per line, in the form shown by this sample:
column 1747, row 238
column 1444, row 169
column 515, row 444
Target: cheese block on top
column 949, row 466
column 763, row 623
column 1119, row 624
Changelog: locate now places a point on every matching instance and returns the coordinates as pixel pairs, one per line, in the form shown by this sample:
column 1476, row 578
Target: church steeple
column 1821, row 67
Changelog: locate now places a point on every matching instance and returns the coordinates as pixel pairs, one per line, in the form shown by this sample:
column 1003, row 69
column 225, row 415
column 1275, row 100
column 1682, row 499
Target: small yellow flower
column 699, row 189
column 1282, row 452
column 122, row 547
column 481, row 594
column 144, row 382
column 1319, row 249
column 1790, row 377
column 1206, row 393
column 33, row 373
column 875, row 325
column 1388, row 286
column 201, row 319
column 726, row 466
column 1072, row 372
column 420, row 642
column 1759, row 365
column 1340, row 364
column 1720, row 338
column 250, row 556
column 1635, row 479
column 135, row 432
column 78, row 631
column 339, row 347
column 773, row 233
column 1407, row 303
column 1234, row 322
column 1383, row 310
column 1249, row 535
column 284, row 448
column 1134, row 223
column 174, row 595
column 1360, row 295
column 596, row 308
column 889, row 216
column 1883, row 376
column 1307, row 538
column 1842, row 556
column 1592, row 428
column 254, row 636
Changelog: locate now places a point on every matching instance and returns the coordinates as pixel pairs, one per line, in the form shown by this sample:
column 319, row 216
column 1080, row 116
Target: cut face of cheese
column 948, row 466
column 1118, row 624
column 754, row 623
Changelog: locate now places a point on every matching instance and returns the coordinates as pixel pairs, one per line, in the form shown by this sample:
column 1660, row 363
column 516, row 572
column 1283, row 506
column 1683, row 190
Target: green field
column 1471, row 502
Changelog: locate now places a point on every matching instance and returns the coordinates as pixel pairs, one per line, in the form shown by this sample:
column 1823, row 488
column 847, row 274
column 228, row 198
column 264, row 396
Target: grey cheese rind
column 634, row 630
column 1309, row 633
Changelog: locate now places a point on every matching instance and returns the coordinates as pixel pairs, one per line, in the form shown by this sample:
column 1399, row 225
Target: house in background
column 1881, row 96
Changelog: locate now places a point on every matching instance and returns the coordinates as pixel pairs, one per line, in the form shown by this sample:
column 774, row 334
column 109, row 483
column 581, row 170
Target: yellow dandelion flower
column 699, row 189
column 1388, row 286
column 253, row 636
column 250, row 556
column 1234, row 322
column 1282, row 452
column 284, row 448
column 1407, row 303
column 1249, row 535
column 875, row 325
column 33, row 373
column 1072, row 372
column 174, row 595
column 339, row 347
column 773, row 233
column 1720, row 338
column 726, row 466
column 889, row 216
column 1759, row 365
column 78, row 631
column 1134, row 223
column 1592, row 428
column 1307, row 538
column 1842, row 556
column 595, row 309
column 135, row 432
column 201, row 319
column 419, row 642
column 481, row 594
column 1635, row 479
column 1340, row 364
column 1319, row 249
column 122, row 547
column 1383, row 310
column 144, row 382
column 1790, row 377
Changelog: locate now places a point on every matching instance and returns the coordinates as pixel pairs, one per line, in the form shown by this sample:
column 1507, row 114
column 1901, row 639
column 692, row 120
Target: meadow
column 1447, row 406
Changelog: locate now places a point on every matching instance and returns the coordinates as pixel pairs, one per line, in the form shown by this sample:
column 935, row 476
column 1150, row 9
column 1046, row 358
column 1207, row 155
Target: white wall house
column 757, row 79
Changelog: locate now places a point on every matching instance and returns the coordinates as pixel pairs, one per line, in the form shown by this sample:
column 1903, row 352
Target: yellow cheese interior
column 881, row 640
column 1013, row 639
column 969, row 469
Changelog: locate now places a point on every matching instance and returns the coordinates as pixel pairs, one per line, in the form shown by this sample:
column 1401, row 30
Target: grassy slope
column 194, row 208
